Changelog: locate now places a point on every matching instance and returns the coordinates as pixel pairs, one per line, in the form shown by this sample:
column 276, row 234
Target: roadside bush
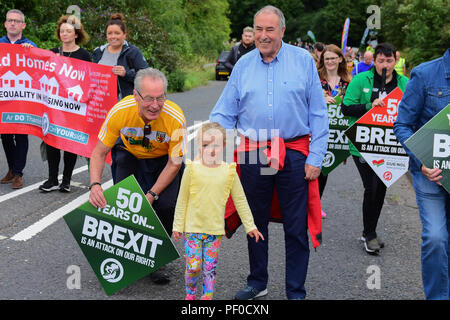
column 176, row 81
column 44, row 36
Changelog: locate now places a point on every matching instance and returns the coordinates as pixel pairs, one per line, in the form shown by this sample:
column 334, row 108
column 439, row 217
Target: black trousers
column 53, row 159
column 374, row 193
column 146, row 172
column 16, row 149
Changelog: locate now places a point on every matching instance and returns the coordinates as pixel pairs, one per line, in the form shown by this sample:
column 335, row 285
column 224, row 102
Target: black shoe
column 159, row 277
column 49, row 186
column 64, row 187
column 372, row 246
column 380, row 242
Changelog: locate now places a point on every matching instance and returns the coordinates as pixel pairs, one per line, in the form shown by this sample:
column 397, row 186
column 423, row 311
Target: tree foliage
column 207, row 25
column 169, row 33
column 325, row 18
column 420, row 28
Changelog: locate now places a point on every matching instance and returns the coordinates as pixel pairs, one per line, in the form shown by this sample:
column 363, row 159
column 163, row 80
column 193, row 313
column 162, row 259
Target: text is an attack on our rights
column 124, row 241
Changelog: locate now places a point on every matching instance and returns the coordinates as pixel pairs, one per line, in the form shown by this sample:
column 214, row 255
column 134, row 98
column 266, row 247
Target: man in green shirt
column 366, row 91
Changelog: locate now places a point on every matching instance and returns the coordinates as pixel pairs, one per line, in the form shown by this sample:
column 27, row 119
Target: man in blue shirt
column 274, row 91
column 426, row 94
column 364, row 65
column 15, row 145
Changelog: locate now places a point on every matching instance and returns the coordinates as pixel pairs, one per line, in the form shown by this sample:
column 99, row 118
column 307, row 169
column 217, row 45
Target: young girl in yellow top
column 200, row 210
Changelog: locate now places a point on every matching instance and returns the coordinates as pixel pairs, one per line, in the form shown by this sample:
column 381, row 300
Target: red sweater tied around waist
column 275, row 152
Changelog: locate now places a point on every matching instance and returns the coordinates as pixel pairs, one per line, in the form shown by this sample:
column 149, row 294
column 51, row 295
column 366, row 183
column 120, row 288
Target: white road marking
column 48, row 220
column 35, row 186
column 78, row 185
column 40, row 225
column 32, row 187
column 195, row 126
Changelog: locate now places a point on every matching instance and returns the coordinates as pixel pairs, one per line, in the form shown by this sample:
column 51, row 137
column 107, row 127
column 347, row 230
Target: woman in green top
column 366, row 91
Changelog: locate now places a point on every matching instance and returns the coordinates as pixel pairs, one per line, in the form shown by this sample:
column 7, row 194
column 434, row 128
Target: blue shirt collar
column 279, row 54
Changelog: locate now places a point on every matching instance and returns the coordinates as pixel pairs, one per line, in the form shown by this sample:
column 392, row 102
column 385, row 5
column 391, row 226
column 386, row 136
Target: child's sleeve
column 241, row 204
column 182, row 200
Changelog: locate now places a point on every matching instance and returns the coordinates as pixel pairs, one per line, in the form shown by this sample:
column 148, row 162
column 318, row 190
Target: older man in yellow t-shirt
column 147, row 132
column 151, row 145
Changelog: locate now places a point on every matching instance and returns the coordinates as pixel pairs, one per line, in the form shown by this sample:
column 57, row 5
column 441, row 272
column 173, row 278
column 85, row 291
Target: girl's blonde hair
column 211, row 126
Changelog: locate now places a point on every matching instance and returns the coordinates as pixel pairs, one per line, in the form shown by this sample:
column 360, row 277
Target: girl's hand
column 177, row 235
column 256, row 234
column 119, row 70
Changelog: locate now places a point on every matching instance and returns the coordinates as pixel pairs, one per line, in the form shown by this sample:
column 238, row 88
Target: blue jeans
column 434, row 208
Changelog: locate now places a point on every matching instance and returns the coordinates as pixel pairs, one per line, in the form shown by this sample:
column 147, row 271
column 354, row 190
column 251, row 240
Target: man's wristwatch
column 154, row 195
column 94, row 184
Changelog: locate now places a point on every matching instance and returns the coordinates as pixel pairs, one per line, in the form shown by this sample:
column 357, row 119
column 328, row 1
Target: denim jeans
column 434, row 208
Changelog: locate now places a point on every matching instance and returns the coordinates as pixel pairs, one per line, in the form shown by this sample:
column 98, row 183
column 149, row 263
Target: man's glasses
column 159, row 100
column 147, row 131
column 14, row 21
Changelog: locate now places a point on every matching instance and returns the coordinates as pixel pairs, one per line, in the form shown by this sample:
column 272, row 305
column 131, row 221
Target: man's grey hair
column 16, row 11
column 149, row 73
column 275, row 10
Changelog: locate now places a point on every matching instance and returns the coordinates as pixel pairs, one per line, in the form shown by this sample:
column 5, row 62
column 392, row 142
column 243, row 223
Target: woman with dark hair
column 71, row 33
column 125, row 58
column 334, row 78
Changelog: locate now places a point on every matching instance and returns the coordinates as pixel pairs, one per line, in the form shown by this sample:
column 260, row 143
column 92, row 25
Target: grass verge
column 198, row 73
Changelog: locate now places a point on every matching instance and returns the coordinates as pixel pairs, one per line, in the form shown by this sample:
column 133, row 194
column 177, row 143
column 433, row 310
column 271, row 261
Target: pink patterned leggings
column 201, row 254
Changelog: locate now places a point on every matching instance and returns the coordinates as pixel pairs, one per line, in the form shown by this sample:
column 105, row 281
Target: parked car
column 222, row 72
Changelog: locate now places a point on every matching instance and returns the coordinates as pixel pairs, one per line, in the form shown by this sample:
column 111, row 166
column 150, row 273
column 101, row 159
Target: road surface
column 39, row 254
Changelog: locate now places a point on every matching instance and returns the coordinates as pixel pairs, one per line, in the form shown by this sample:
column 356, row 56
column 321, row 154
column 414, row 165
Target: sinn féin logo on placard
column 387, row 176
column 378, row 163
column 328, row 160
column 45, row 124
column 111, row 270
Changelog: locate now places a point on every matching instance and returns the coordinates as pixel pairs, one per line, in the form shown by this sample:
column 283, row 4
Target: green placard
column 337, row 141
column 124, row 241
column 431, row 144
